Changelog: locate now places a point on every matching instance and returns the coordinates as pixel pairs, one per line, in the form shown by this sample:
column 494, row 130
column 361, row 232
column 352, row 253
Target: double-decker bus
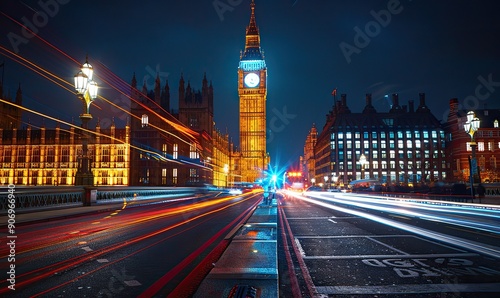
column 294, row 181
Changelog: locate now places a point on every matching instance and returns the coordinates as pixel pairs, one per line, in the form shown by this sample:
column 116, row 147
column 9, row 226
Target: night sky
column 445, row 49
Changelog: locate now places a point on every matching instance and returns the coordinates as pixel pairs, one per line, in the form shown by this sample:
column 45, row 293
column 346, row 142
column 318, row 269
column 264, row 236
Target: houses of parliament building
column 157, row 146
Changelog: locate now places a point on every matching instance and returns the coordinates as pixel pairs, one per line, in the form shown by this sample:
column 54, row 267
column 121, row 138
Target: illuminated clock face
column 252, row 80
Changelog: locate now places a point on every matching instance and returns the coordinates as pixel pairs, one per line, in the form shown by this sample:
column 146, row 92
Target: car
column 334, row 189
column 314, row 188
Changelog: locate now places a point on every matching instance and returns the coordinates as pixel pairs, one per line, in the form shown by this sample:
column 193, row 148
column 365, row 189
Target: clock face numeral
column 252, row 80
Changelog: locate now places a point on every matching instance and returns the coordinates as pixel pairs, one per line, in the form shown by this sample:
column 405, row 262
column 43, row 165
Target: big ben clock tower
column 252, row 91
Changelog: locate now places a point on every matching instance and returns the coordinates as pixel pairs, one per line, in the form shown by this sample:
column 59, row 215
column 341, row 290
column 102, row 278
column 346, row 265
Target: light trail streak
column 43, row 40
column 48, row 271
column 465, row 216
column 485, row 249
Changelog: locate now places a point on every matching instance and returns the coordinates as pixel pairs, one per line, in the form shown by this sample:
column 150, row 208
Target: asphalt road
column 144, row 251
column 343, row 246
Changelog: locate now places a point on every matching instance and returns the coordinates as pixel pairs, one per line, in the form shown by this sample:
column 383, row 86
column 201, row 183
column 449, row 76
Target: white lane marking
column 410, row 289
column 132, row 283
column 86, row 248
column 404, row 256
column 102, row 260
column 299, row 247
column 387, row 245
column 332, row 220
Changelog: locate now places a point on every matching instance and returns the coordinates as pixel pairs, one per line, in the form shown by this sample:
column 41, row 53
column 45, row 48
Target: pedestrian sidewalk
column 249, row 265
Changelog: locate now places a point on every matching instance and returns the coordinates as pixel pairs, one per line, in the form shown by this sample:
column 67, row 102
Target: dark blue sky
column 445, row 49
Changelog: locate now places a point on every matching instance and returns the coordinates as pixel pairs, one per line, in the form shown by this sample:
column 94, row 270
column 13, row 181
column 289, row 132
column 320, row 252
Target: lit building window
column 332, row 145
column 408, row 134
column 175, row 153
column 365, row 135
column 400, row 143
column 383, row 144
column 374, row 144
column 375, row 154
column 417, row 134
column 164, row 149
column 105, row 155
column 65, row 154
column 391, row 144
column 418, row 144
column 480, row 146
column 340, row 136
column 495, row 123
column 382, row 135
column 392, row 164
column 366, row 144
column 392, row 154
column 384, row 154
column 50, row 157
column 358, row 144
column 174, row 176
column 163, row 176
column 391, row 135
column 35, row 155
column 426, row 134
column 348, row 135
column 357, row 135
column 349, row 144
column 409, row 144
column 434, row 134
column 374, row 135
column 21, row 154
column 490, row 146
column 400, row 134
column 375, row 165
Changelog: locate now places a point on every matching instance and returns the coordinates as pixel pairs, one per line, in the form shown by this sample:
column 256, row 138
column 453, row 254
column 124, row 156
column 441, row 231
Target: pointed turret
column 157, row 96
column 144, row 88
column 252, row 44
column 19, row 95
column 165, row 97
column 134, row 82
column 181, row 89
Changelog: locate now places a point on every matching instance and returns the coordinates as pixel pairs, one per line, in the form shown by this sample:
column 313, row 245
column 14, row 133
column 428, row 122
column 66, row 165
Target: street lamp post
column 86, row 90
column 471, row 126
column 362, row 161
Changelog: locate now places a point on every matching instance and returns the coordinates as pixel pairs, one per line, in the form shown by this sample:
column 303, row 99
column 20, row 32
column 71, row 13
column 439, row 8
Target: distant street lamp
column 313, row 180
column 362, row 161
column 471, row 126
column 326, row 180
column 86, row 90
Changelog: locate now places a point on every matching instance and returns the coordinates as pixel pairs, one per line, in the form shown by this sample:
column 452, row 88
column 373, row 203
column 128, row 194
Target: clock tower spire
column 252, row 91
